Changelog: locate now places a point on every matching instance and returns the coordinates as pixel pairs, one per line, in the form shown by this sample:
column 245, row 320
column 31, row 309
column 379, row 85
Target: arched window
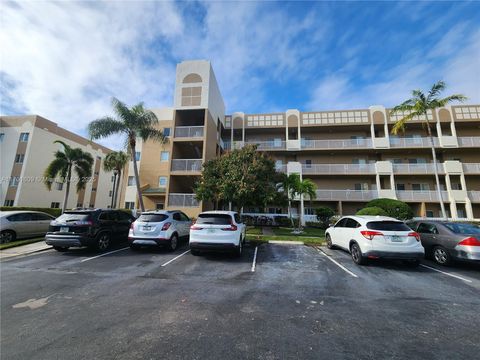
column 192, row 78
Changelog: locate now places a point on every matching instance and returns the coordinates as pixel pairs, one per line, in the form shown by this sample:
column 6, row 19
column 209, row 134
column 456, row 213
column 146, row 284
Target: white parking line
column 175, row 258
column 446, row 273
column 337, row 263
column 254, row 259
column 108, row 253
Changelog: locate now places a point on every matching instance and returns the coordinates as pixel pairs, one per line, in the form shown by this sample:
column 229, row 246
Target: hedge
column 394, row 208
column 373, row 210
column 52, row 211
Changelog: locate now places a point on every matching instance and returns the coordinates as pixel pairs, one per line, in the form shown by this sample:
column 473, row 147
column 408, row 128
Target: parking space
column 276, row 301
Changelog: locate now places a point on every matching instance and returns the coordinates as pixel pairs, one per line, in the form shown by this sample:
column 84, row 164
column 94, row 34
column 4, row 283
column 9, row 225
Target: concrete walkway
column 266, row 230
column 24, row 250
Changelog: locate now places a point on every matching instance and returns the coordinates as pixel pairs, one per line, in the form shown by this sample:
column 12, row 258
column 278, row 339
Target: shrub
column 51, row 211
column 285, row 221
column 314, row 224
column 373, row 210
column 394, row 208
column 323, row 215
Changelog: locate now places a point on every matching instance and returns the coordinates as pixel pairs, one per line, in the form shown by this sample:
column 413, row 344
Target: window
column 166, row 131
column 110, row 193
column 94, row 189
column 129, row 205
column 462, row 228
column 131, row 181
column 24, row 137
column 400, row 187
column 2, row 135
column 361, row 186
column 96, row 173
column 20, row 217
column 277, row 142
column 55, row 205
column 429, row 213
column 184, row 217
column 308, row 164
column 107, row 215
column 352, row 223
column 359, row 161
column 397, row 161
column 164, row 156
column 427, row 229
column 41, row 217
column 420, row 187
column 162, row 181
column 176, row 217
column 19, row 158
column 417, row 161
column 58, row 185
column 159, row 206
column 8, row 203
column 387, row 226
column 214, row 219
column 341, row 223
column 79, row 205
column 14, row 181
column 456, row 186
column 278, row 164
column 191, row 96
column 309, row 211
column 137, row 155
column 237, row 218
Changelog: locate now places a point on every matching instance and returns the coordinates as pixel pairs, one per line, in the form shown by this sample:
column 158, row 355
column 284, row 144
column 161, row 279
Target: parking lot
column 275, row 302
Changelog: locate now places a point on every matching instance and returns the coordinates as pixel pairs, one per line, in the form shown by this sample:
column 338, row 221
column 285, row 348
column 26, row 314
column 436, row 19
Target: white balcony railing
column 417, row 168
column 351, row 195
column 471, row 168
column 336, row 144
column 416, row 142
column 182, row 200
column 281, row 168
column 419, row 195
column 192, row 165
column 189, row 131
column 342, row 169
column 473, row 141
column 474, row 196
column 268, row 144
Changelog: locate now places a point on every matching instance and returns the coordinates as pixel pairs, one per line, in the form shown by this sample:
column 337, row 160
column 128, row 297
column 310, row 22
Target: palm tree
column 419, row 105
column 115, row 161
column 309, row 188
column 289, row 184
column 66, row 161
column 132, row 123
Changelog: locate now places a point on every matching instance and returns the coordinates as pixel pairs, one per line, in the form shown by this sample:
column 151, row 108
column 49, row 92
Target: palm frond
column 406, row 106
column 436, row 89
column 115, row 160
column 58, row 166
column 124, row 114
column 152, row 134
column 447, row 100
column 104, row 127
column 400, row 124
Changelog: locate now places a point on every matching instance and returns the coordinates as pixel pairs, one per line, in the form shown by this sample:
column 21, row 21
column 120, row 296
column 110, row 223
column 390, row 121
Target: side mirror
column 331, row 225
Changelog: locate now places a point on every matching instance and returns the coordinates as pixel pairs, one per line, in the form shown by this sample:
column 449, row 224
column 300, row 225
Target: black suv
column 96, row 228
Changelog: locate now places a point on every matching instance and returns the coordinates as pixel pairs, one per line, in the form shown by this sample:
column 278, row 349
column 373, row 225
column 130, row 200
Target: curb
column 293, row 242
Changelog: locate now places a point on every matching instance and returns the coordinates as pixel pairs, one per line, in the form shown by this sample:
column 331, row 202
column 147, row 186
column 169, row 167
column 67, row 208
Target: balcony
column 349, row 195
column 417, row 142
column 471, row 168
column 473, row 141
column 182, row 200
column 337, row 144
column 188, row 132
column 419, row 169
column 338, row 169
column 187, row 165
column 474, row 196
column 427, row 195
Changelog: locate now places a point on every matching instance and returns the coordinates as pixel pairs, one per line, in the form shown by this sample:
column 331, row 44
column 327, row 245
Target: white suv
column 217, row 230
column 159, row 228
column 374, row 237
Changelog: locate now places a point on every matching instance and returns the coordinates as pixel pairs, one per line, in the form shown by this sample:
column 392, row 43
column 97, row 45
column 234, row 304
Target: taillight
column 166, row 226
column 195, row 227
column 369, row 234
column 131, row 226
column 415, row 235
column 470, row 241
column 232, row 227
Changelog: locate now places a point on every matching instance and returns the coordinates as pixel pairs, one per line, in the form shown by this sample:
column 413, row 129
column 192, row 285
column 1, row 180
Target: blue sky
column 67, row 59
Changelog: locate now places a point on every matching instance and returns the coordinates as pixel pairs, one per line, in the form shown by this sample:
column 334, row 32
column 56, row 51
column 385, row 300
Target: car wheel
column 103, row 241
column 357, row 256
column 173, row 242
column 61, row 248
column 328, row 240
column 239, row 249
column 7, row 236
column 441, row 255
column 195, row 252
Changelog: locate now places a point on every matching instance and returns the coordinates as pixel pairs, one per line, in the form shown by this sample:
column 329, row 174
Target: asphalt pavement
column 275, row 302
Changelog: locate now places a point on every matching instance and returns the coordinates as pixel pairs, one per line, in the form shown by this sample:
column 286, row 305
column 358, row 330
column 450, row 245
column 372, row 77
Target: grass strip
column 19, row 243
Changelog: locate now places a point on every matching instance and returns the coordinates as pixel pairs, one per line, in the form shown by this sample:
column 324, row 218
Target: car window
column 352, row 223
column 20, row 217
column 214, row 219
column 176, row 217
column 153, row 217
column 69, row 217
column 388, row 226
column 41, row 217
column 107, row 215
column 342, row 223
column 237, row 218
column 461, row 228
column 184, row 217
column 121, row 215
column 424, row 228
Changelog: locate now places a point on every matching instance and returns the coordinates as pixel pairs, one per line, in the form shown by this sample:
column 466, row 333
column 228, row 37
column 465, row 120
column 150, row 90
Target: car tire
column 328, row 240
column 7, row 236
column 195, row 252
column 441, row 256
column 357, row 256
column 172, row 245
column 239, row 248
column 61, row 248
column 102, row 242
column 134, row 247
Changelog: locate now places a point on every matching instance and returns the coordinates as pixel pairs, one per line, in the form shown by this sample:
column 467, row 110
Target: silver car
column 446, row 241
column 23, row 224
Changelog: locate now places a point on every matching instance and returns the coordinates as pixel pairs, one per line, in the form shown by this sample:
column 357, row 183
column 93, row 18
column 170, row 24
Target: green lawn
column 254, row 230
column 309, row 235
column 307, row 232
column 19, row 243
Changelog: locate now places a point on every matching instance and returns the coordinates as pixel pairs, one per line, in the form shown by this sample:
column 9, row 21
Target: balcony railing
column 420, row 195
column 351, row 195
column 342, row 169
column 473, row 141
column 189, row 131
column 336, row 144
column 182, row 200
column 417, row 168
column 474, row 196
column 268, row 145
column 418, row 142
column 281, row 168
column 471, row 168
column 191, row 165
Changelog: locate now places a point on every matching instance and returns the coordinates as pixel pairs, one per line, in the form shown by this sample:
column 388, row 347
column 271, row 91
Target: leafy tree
column 372, row 210
column 132, row 123
column 419, row 104
column 209, row 187
column 115, row 161
column 394, row 208
column 64, row 163
column 323, row 215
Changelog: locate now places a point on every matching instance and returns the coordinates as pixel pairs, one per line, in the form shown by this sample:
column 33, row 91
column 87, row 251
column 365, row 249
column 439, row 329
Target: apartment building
column 350, row 154
column 27, row 147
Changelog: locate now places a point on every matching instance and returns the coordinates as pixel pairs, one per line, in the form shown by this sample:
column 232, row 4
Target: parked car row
column 380, row 237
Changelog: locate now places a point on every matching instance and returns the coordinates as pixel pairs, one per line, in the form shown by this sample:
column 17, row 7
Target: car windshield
column 152, row 217
column 459, row 228
column 70, row 217
column 388, row 226
column 214, row 219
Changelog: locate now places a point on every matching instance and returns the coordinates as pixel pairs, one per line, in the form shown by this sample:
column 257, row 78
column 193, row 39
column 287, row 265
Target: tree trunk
column 113, row 190
column 115, row 205
column 67, row 189
column 137, row 179
column 435, row 170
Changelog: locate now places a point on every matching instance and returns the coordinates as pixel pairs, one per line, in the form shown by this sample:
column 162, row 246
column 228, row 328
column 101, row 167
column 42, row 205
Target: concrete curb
column 294, row 242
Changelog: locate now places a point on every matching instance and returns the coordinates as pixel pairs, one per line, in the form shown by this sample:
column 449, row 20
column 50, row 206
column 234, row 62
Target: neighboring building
column 349, row 154
column 27, row 149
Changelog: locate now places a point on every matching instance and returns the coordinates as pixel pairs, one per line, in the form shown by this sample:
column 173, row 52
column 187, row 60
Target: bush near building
column 51, row 211
column 324, row 214
column 373, row 210
column 394, row 208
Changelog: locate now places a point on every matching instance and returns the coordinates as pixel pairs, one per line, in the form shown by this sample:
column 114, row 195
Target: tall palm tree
column 289, row 184
column 418, row 105
column 115, row 161
column 132, row 123
column 309, row 188
column 66, row 161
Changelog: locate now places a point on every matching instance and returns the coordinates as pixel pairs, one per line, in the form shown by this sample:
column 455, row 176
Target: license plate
column 64, row 229
column 146, row 228
column 395, row 238
column 211, row 230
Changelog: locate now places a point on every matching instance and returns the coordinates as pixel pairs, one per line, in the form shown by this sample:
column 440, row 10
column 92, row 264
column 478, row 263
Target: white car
column 374, row 237
column 159, row 228
column 217, row 230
